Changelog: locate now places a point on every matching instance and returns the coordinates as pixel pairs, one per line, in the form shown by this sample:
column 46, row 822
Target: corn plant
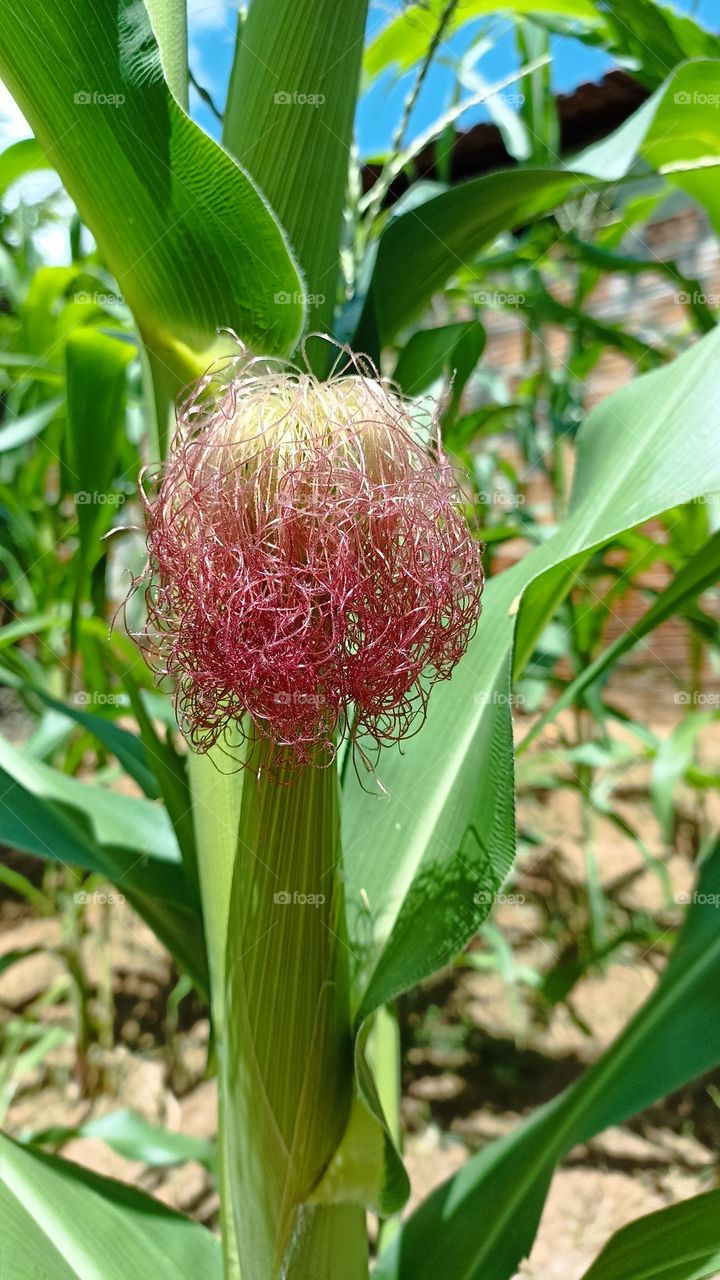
column 329, row 815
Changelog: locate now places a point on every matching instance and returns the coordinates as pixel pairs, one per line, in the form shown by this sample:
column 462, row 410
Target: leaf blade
column 187, row 235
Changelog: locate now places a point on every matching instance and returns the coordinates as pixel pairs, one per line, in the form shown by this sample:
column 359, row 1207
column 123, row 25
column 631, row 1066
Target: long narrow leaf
column 677, row 131
column 189, row 238
column 681, row 1242
column 61, row 1221
column 480, row 1223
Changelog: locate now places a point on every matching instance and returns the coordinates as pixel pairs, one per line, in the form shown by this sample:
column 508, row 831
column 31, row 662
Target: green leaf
column 422, row 864
column 110, row 820
column 366, row 1167
column 677, row 131
column 9, row 958
column 289, row 120
column 96, row 375
column 125, row 745
column 29, row 425
column 405, row 39
column 132, row 1136
column 680, row 1242
column 672, row 761
column 481, row 1222
column 33, row 625
column 545, row 309
column 445, row 233
column 59, row 1220
column 538, row 107
column 700, row 573
column 30, row 366
column 190, row 240
column 169, row 22
column 18, row 159
column 655, row 37
column 171, row 774
column 286, row 904
column 128, row 841
column 431, row 353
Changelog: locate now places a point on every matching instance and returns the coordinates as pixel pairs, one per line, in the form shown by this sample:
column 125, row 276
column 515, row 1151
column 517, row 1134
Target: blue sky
column 212, row 37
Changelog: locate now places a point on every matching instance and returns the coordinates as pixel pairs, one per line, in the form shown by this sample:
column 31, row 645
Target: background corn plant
column 268, row 237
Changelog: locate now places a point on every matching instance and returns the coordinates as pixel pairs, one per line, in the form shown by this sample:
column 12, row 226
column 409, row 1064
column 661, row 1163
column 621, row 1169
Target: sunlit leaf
column 676, row 131
column 189, row 238
column 73, row 1224
column 679, row 1242
column 423, row 862
column 481, row 1222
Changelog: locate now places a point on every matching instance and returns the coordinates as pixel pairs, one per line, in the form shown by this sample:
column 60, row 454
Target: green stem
column 269, row 863
column 288, row 1072
column 217, row 797
column 387, row 1062
column 330, row 1243
column 161, row 388
column 595, row 893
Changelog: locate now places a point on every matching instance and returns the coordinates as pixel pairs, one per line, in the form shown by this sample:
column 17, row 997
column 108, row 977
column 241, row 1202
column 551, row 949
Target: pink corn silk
column 296, row 575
